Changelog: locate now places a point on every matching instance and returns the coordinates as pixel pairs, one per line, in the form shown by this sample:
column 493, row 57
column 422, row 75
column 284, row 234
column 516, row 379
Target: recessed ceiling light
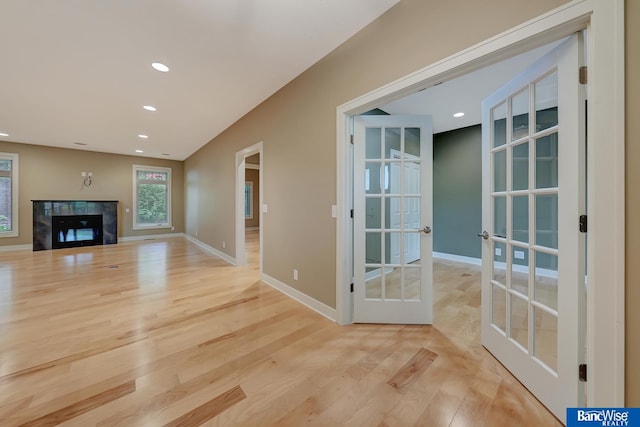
column 143, row 136
column 160, row 67
column 79, row 143
column 166, row 154
column 139, row 151
column 149, row 108
column 460, row 114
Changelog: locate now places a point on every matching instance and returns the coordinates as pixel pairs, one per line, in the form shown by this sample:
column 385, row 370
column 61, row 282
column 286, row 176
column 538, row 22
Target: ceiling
column 464, row 94
column 76, row 74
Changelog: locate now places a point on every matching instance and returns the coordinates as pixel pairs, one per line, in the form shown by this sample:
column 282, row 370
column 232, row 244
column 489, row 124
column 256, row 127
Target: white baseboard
column 211, row 250
column 302, row 298
column 149, row 237
column 16, row 248
column 477, row 261
column 458, row 258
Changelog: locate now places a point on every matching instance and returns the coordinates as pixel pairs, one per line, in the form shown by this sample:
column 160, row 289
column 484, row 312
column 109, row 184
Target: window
column 151, row 197
column 248, row 200
column 8, row 195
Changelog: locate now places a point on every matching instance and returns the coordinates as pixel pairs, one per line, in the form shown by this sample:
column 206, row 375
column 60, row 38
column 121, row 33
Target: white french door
column 533, row 278
column 392, row 219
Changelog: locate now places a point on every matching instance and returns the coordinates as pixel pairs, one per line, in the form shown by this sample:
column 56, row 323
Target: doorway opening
column 249, row 196
column 604, row 265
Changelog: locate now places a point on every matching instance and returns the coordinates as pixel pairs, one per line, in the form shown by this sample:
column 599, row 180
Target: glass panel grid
column 392, row 172
column 524, row 200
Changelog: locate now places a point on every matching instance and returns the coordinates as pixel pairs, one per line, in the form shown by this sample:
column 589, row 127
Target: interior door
column 392, row 219
column 533, row 280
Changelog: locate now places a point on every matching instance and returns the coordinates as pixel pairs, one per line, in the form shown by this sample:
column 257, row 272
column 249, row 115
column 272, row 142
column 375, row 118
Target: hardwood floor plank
column 189, row 387
column 83, row 406
column 107, row 345
column 415, row 366
column 210, row 409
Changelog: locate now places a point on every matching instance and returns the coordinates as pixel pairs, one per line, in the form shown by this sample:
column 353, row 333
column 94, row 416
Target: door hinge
column 351, row 287
column 583, row 223
column 582, row 372
column 582, row 73
column 351, row 139
column 351, row 213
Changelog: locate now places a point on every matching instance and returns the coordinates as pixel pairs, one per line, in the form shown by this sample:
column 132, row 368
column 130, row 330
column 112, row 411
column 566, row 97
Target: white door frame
column 241, row 156
column 604, row 21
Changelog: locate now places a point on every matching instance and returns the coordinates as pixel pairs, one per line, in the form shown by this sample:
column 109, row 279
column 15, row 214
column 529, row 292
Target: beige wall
column 632, row 71
column 297, row 126
column 54, row 173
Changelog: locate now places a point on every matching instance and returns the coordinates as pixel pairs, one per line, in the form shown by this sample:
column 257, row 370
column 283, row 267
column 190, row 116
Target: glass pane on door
column 546, row 338
column 547, row 161
column 520, row 115
column 520, row 320
column 393, row 214
column 546, row 95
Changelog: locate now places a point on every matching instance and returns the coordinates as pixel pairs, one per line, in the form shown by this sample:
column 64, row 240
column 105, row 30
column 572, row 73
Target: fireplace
column 70, row 231
column 71, row 223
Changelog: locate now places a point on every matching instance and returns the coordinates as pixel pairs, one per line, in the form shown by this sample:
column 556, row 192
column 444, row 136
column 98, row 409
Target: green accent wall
column 457, row 191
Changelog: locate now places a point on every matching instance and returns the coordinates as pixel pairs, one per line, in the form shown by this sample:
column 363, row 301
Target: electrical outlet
column 295, row 274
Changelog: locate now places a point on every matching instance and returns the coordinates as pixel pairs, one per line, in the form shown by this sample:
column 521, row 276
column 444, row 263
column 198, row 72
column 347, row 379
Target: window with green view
column 152, row 197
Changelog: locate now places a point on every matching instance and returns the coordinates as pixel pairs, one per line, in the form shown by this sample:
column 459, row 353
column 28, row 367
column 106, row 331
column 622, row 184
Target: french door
column 392, row 219
column 533, row 279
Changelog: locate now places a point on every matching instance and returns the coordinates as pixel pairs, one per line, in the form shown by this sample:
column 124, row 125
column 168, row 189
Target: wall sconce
column 87, row 178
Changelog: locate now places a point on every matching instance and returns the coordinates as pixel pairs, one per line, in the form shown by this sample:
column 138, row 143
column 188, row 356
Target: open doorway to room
column 499, row 165
column 248, row 199
column 252, row 210
column 605, row 180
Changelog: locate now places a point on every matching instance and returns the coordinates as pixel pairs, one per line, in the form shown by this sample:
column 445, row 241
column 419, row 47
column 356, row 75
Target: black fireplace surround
column 72, row 223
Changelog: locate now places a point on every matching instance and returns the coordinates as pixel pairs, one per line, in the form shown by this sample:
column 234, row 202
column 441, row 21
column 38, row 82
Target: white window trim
column 168, row 223
column 14, row 195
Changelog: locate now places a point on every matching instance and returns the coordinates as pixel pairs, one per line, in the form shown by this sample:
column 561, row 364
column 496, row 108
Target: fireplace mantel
column 45, row 210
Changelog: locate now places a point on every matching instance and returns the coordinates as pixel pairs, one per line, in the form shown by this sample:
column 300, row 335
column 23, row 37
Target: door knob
column 484, row 235
column 426, row 229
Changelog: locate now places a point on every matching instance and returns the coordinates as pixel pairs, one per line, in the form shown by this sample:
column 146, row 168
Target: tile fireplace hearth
column 71, row 223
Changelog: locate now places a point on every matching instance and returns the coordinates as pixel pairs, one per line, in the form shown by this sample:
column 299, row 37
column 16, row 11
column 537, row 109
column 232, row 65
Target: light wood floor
column 159, row 333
